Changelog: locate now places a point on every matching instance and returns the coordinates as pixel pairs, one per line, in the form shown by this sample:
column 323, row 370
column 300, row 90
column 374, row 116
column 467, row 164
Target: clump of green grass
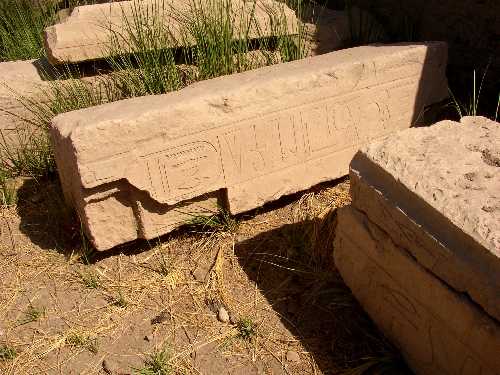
column 21, row 28
column 163, row 265
column 158, row 363
column 470, row 106
column 247, row 329
column 220, row 221
column 8, row 192
column 87, row 251
column 32, row 154
column 32, row 314
column 7, row 353
column 120, row 300
column 222, row 44
column 91, row 280
column 80, row 340
column 22, row 23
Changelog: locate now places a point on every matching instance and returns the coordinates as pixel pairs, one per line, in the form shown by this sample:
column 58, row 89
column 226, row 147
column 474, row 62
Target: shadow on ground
column 45, row 218
column 293, row 267
column 51, row 225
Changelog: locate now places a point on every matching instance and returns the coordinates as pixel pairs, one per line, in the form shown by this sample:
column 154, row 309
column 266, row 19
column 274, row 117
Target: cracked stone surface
column 436, row 190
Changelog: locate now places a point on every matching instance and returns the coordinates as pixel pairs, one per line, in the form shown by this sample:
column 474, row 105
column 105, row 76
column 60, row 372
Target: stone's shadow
column 293, row 267
column 45, row 218
column 51, row 225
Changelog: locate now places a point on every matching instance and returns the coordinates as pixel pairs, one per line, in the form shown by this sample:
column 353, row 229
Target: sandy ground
column 65, row 309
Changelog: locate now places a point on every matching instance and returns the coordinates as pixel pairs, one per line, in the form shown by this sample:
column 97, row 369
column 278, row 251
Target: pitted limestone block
column 87, row 33
column 253, row 137
column 439, row 331
column 436, row 190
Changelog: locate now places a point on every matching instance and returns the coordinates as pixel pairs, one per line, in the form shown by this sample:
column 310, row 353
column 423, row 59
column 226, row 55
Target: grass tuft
column 22, row 23
column 80, row 340
column 247, row 329
column 32, row 314
column 21, row 28
column 120, row 301
column 91, row 280
column 8, row 191
column 7, row 353
column 163, row 265
column 470, row 106
column 158, row 363
column 220, row 221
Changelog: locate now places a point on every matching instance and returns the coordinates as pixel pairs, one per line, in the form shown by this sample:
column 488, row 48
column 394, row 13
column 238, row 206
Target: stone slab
column 87, row 32
column 252, row 137
column 436, row 190
column 439, row 331
column 18, row 79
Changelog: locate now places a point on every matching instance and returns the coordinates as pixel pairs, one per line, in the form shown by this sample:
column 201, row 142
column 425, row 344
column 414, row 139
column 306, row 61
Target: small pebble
column 223, row 315
column 200, row 274
column 292, row 356
column 110, row 367
column 233, row 318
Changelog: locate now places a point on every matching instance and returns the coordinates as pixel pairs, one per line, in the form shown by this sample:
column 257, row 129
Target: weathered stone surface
column 249, row 138
column 436, row 190
column 439, row 331
column 87, row 33
column 18, row 79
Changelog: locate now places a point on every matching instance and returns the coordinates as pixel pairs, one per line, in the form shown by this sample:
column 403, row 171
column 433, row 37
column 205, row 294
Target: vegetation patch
column 7, row 353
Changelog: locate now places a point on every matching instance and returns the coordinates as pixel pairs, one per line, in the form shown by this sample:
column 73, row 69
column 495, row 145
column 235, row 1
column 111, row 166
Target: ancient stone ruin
column 86, row 34
column 142, row 167
column 17, row 78
column 420, row 245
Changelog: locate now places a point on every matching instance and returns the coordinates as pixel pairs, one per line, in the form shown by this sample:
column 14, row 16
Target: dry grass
column 267, row 274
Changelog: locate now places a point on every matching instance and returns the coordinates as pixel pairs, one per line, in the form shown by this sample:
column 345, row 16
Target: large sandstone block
column 249, row 138
column 436, row 191
column 18, row 79
column 87, row 33
column 439, row 331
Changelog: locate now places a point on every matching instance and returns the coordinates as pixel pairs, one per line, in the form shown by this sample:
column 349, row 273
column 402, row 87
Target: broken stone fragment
column 428, row 187
column 96, row 31
column 418, row 249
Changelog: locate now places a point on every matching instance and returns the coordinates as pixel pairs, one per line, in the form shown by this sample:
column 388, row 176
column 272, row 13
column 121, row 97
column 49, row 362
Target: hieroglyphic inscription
column 280, row 130
column 434, row 341
column 291, row 136
column 185, row 168
column 239, row 152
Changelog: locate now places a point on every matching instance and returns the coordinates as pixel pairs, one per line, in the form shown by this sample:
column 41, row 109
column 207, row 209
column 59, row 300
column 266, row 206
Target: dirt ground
column 66, row 309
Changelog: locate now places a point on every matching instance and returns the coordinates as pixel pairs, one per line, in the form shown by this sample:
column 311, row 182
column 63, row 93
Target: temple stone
column 243, row 140
column 437, row 191
column 87, row 33
column 19, row 79
column 420, row 245
column 437, row 330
